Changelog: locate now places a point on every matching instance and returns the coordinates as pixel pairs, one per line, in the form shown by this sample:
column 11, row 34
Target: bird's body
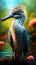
column 20, row 38
column 18, row 35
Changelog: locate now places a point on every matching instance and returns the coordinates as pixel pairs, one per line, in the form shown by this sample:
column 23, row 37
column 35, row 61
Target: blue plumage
column 21, row 36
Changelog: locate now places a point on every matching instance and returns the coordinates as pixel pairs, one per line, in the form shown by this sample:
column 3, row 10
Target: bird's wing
column 26, row 41
column 10, row 39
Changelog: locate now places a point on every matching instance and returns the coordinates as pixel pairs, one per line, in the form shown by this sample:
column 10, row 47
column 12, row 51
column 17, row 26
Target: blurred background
column 5, row 8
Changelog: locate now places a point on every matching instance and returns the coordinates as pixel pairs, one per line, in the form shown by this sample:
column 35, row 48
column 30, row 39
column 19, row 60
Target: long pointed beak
column 7, row 17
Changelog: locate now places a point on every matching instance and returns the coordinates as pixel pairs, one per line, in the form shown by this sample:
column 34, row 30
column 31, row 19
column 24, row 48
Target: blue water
column 4, row 54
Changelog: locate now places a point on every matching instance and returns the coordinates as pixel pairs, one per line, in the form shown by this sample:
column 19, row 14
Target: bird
column 18, row 34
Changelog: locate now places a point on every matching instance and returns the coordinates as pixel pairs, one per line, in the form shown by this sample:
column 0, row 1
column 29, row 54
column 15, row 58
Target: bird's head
column 17, row 12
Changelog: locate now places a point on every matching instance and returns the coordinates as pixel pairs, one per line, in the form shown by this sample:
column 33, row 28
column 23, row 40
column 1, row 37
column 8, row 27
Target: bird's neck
column 21, row 20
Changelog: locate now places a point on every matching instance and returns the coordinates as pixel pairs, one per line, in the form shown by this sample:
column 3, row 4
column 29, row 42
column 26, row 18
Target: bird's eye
column 17, row 12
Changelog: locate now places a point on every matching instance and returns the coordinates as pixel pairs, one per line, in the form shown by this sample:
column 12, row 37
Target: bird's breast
column 17, row 36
